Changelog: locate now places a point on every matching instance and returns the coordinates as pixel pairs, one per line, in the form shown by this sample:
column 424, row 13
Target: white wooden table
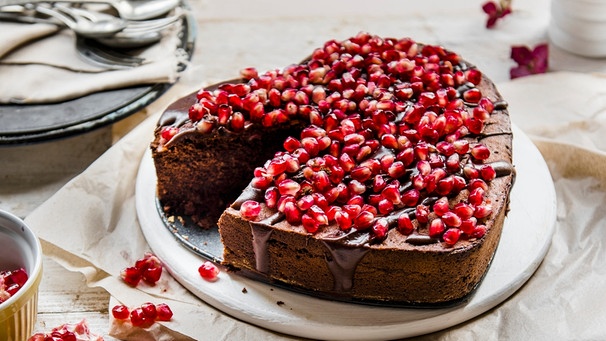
column 29, row 175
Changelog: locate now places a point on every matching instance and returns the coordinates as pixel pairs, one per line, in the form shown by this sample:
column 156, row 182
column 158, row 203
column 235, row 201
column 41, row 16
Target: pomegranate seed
column 149, row 310
column 164, row 312
column 120, row 312
column 436, row 228
column 405, row 225
column 356, row 187
column 451, row 236
column 288, row 187
column 152, row 274
column 343, row 219
column 292, row 213
column 451, row 219
column 309, row 223
column 361, row 173
column 131, row 276
column 291, row 144
column 410, row 198
column 472, row 95
column 391, row 192
column 461, row 146
column 380, row 228
column 138, row 318
column 305, row 202
column 480, row 114
column 250, row 209
column 385, row 206
column 209, row 271
column 167, row 133
column 480, row 152
column 476, row 196
column 364, row 220
column 320, row 200
column 396, row 170
column 318, row 215
column 237, row 121
column 478, row 232
column 482, row 211
column 440, row 207
column 271, row 197
column 474, row 76
column 463, row 210
column 468, row 225
column 487, row 172
column 422, row 214
column 249, row 73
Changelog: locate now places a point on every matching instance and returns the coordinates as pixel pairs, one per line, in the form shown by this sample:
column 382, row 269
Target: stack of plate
column 579, row 26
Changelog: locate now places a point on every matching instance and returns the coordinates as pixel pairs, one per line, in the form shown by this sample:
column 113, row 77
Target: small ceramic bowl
column 19, row 248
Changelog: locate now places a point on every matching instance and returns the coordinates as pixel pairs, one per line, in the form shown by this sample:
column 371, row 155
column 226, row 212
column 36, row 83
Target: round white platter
column 526, row 238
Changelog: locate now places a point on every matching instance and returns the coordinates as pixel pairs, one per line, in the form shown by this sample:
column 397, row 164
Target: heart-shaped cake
column 377, row 170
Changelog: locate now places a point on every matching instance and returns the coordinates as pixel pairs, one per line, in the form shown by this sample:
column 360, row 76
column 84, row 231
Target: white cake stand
column 525, row 240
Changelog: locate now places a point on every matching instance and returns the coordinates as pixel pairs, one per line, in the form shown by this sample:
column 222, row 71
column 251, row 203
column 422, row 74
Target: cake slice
column 378, row 170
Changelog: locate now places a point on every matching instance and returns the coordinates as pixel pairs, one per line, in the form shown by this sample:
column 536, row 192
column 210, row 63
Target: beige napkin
column 561, row 301
column 50, row 69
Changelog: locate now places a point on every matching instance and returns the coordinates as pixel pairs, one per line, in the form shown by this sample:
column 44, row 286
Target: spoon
column 84, row 26
column 127, row 9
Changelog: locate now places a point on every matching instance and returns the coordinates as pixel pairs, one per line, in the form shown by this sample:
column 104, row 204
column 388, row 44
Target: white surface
column 526, row 238
column 579, row 26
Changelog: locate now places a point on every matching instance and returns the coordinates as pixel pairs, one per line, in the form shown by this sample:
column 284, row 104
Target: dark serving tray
column 22, row 124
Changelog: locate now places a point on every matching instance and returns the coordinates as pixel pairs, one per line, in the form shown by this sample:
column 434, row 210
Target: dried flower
column 529, row 62
column 496, row 11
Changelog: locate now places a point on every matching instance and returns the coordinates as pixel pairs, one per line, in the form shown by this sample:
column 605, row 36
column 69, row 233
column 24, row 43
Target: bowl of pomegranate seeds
column 20, row 276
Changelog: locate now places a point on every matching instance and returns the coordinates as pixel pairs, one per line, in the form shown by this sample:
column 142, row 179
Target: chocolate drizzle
column 342, row 263
column 260, row 238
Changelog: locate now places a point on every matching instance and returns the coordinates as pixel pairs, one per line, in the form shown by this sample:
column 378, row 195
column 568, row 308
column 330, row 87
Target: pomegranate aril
column 478, row 232
column 309, row 223
column 364, row 220
column 480, row 152
column 120, row 312
column 405, row 225
column 482, row 211
column 138, row 318
column 209, row 271
column 250, row 209
column 380, row 228
column 164, row 312
column 451, row 236
column 152, row 274
column 436, row 228
column 292, row 213
column 451, row 219
column 131, row 275
column 149, row 310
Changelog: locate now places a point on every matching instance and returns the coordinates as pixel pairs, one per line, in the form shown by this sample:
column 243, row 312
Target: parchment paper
column 90, row 225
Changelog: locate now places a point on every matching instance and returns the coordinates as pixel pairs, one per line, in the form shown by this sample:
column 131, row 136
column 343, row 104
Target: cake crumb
column 244, row 290
column 171, row 219
column 280, row 303
column 181, row 220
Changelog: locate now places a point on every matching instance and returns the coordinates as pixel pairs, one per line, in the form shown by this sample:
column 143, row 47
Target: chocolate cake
column 377, row 170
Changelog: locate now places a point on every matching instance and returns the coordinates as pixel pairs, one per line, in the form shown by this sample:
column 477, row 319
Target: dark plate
column 21, row 124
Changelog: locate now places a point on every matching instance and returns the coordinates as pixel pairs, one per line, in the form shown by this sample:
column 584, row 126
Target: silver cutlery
column 107, row 29
column 127, row 9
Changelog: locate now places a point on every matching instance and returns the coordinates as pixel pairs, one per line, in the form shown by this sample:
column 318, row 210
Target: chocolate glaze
column 342, row 263
column 345, row 249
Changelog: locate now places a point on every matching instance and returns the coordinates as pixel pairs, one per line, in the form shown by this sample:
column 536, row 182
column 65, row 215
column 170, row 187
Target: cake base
column 520, row 252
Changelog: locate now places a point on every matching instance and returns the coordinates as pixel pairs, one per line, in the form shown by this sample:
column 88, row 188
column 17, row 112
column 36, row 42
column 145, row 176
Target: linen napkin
column 40, row 67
